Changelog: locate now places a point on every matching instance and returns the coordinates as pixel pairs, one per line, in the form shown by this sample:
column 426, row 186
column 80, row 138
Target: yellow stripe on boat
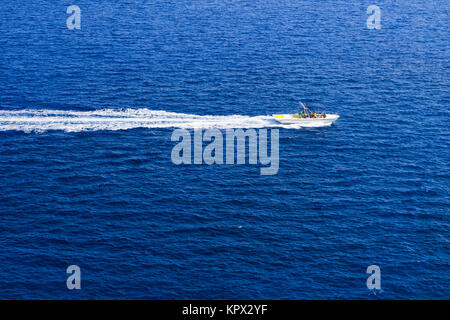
column 278, row 116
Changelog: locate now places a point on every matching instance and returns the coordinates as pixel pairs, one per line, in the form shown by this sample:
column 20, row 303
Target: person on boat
column 324, row 115
column 314, row 115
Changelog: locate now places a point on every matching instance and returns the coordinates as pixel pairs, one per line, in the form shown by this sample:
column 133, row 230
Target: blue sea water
column 373, row 189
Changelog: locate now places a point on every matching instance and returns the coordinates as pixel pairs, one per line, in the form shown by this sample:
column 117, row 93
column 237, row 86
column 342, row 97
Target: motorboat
column 307, row 118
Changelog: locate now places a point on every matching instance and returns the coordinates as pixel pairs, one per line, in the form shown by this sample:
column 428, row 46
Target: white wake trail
column 30, row 120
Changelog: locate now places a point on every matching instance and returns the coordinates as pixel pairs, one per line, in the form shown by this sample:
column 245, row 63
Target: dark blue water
column 371, row 189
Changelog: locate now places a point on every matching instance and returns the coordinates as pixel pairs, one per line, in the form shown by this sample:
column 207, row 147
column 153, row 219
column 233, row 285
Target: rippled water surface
column 86, row 176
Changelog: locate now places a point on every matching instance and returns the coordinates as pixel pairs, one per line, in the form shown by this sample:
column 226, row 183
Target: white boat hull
column 294, row 119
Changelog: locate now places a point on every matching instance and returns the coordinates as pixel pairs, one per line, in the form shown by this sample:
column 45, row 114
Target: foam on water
column 30, row 120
